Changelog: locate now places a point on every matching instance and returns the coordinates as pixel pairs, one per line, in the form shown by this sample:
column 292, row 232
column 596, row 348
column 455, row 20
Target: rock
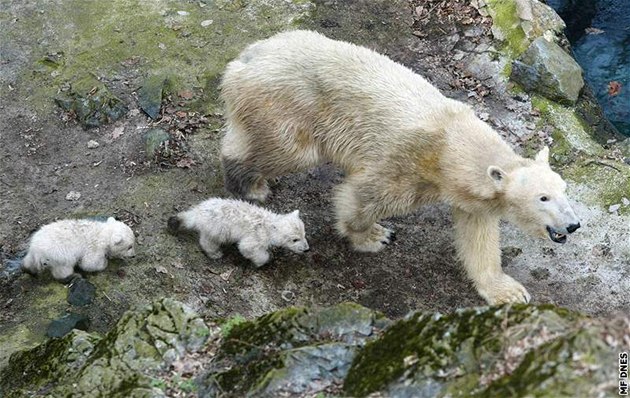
column 81, row 292
column 305, row 351
column 82, row 364
column 344, row 350
column 62, row 326
column 92, row 144
column 614, row 208
column 545, row 68
column 150, row 95
column 73, row 195
column 490, row 352
column 152, row 140
column 517, row 23
column 92, row 108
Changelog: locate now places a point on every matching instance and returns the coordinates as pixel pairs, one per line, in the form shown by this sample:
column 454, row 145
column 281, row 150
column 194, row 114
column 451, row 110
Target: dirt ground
column 44, row 155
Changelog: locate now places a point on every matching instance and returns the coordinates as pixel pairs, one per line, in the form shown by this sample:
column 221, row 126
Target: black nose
column 573, row 227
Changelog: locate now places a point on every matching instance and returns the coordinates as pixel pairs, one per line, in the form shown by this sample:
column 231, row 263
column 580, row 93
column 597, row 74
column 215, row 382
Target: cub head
column 122, row 239
column 535, row 199
column 289, row 232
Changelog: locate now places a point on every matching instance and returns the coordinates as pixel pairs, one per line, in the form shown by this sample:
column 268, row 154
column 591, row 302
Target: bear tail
column 174, row 224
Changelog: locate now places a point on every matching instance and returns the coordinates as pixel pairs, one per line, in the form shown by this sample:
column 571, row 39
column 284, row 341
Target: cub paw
column 504, row 289
column 214, row 254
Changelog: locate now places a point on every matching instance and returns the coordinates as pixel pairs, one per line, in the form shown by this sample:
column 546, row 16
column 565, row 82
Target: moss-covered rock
column 292, row 351
column 488, row 352
column 82, row 364
column 347, row 350
column 516, row 23
column 545, row 68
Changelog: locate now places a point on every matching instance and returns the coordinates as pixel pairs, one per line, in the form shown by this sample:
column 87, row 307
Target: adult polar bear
column 299, row 99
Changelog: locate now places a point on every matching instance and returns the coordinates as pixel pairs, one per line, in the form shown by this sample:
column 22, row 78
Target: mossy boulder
column 516, row 23
column 489, row 352
column 546, row 69
column 82, row 364
column 344, row 350
column 92, row 107
column 292, row 351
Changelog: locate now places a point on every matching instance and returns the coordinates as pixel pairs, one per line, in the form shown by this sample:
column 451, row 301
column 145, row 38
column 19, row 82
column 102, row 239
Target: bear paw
column 259, row 193
column 504, row 289
column 373, row 240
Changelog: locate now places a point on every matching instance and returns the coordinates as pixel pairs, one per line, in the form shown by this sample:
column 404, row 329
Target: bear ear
column 296, row 213
column 543, row 155
column 111, row 219
column 497, row 175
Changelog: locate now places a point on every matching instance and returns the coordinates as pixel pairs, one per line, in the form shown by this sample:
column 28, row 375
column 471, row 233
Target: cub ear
column 497, row 175
column 111, row 219
column 296, row 213
column 117, row 239
column 543, row 155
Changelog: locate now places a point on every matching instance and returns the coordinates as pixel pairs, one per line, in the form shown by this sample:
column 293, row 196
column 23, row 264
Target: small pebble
column 73, row 195
column 614, row 208
column 93, row 144
column 206, row 23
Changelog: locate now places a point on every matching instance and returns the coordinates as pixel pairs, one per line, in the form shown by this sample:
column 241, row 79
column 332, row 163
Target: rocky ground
column 67, row 69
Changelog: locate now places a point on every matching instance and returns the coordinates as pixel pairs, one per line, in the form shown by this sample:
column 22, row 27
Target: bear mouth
column 555, row 236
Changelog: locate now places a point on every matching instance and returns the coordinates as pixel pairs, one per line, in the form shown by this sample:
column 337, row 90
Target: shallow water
column 604, row 54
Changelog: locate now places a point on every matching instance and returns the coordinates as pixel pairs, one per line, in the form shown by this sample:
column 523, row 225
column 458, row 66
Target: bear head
column 535, row 199
column 121, row 239
column 289, row 232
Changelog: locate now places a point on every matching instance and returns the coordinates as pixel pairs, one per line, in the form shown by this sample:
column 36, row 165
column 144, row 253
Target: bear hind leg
column 357, row 220
column 244, row 180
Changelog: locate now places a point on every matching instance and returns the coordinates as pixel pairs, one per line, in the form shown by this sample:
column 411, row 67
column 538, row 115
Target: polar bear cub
column 61, row 245
column 255, row 229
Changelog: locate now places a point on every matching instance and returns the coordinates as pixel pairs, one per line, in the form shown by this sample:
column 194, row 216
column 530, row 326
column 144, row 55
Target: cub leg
column 477, row 242
column 210, row 246
column 93, row 262
column 252, row 250
column 357, row 216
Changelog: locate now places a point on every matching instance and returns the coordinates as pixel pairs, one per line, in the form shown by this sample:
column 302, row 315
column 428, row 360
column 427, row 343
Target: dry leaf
column 226, row 275
column 118, row 131
column 614, row 88
column 161, row 269
column 593, row 31
column 181, row 114
column 185, row 163
column 185, row 94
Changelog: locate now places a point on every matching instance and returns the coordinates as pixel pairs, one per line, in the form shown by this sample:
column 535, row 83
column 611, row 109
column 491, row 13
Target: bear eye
column 544, row 198
column 295, row 240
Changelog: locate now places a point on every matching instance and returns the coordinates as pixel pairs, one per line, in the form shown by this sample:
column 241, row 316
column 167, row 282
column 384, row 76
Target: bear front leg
column 63, row 272
column 210, row 246
column 95, row 261
column 356, row 220
column 477, row 242
column 251, row 249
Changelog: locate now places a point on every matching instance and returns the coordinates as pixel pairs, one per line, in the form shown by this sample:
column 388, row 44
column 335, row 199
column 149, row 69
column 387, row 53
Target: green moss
column 571, row 135
column 102, row 40
column 227, row 327
column 505, row 17
column 425, row 346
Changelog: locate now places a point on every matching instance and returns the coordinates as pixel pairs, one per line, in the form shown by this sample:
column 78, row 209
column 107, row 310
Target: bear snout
column 573, row 227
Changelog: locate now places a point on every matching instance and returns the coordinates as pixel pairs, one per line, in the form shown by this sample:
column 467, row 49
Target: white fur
column 298, row 99
column 61, row 245
column 255, row 229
